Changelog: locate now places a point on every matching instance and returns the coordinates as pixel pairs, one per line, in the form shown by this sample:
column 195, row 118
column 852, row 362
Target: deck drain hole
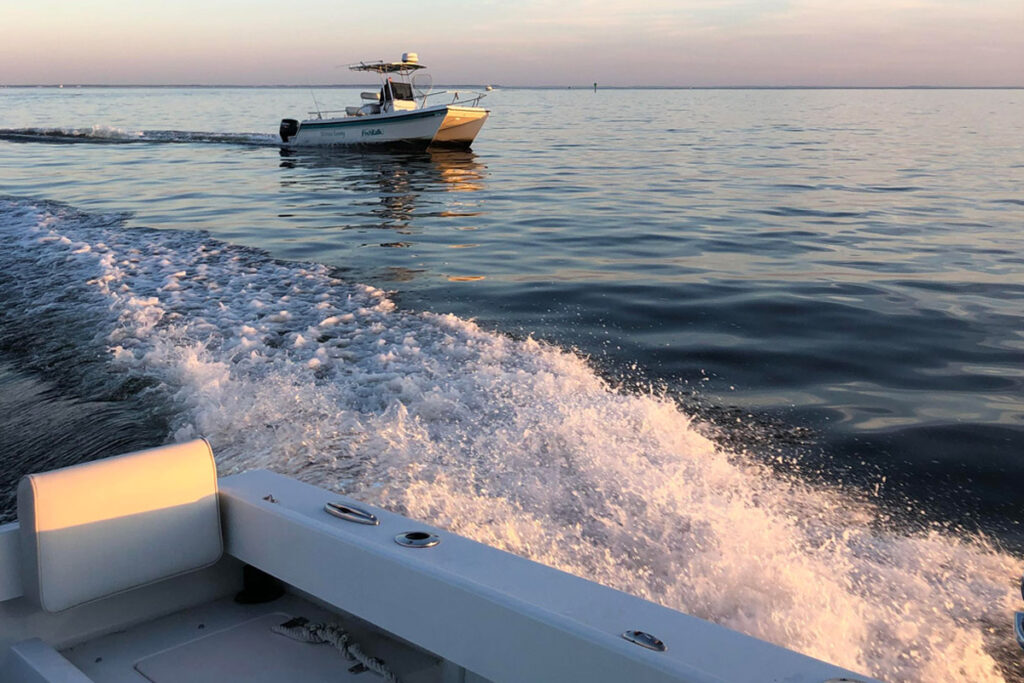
column 417, row 539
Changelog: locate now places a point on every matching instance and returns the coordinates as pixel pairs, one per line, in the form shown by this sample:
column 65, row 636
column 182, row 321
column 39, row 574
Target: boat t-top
column 398, row 114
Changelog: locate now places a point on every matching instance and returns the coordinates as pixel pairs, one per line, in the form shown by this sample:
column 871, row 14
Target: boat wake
column 109, row 135
column 514, row 443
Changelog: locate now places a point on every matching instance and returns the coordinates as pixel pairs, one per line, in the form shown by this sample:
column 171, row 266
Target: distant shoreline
column 584, row 86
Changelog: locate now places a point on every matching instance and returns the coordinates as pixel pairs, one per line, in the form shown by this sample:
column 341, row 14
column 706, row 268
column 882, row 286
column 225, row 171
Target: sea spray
column 515, row 443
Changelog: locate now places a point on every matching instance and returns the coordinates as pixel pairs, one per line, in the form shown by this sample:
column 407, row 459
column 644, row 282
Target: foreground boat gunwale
column 491, row 613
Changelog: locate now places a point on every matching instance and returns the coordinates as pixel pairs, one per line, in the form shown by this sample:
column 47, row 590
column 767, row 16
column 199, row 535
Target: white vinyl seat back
column 100, row 528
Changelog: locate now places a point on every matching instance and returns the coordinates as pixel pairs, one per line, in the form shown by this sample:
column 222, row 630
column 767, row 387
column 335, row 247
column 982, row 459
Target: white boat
column 147, row 567
column 399, row 114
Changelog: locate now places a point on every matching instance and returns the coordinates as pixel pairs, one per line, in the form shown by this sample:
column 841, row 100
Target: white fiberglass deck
column 225, row 641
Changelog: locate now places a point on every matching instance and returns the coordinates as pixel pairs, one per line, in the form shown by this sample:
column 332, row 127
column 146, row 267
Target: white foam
column 522, row 446
column 101, row 133
column 97, row 132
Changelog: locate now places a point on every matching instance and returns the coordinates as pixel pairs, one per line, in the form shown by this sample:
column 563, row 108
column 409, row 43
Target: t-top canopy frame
column 381, row 67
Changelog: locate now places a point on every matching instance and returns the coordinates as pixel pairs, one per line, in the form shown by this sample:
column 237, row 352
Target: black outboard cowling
column 289, row 127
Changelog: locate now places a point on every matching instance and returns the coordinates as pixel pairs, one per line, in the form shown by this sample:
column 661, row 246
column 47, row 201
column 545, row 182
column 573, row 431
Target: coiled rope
column 300, row 629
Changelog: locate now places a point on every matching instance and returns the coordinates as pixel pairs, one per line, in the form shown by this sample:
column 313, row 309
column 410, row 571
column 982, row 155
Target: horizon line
column 567, row 86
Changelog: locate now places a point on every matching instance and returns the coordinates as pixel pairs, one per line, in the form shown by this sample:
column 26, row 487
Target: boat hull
column 413, row 129
column 460, row 126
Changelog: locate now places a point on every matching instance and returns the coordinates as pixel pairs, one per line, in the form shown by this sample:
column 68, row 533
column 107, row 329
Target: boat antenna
column 315, row 103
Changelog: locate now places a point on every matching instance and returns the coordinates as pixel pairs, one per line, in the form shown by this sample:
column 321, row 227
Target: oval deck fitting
column 417, row 539
column 350, row 513
column 645, row 640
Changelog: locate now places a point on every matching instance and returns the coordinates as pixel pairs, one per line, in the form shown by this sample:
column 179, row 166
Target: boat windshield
column 401, row 91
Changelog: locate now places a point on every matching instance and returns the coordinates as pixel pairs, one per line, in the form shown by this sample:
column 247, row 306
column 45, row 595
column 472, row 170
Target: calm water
column 756, row 355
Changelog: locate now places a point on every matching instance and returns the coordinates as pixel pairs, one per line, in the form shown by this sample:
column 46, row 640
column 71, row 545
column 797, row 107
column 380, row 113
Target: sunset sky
column 615, row 42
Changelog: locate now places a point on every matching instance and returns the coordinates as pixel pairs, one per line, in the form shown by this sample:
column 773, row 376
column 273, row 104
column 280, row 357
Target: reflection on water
column 426, row 197
column 398, row 274
column 394, row 173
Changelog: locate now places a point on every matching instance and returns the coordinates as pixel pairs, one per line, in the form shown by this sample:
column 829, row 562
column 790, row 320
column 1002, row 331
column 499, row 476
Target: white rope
column 299, row 629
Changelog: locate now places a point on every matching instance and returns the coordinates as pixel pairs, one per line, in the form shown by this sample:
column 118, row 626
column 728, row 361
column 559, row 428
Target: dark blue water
column 827, row 282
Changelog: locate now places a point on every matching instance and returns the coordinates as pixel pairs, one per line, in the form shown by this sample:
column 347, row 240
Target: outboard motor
column 289, row 127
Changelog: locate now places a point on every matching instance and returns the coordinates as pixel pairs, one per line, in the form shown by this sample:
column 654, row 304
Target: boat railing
column 319, row 113
column 468, row 98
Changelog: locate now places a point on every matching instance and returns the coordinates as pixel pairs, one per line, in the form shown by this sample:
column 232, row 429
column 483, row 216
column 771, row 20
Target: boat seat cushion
column 100, row 528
